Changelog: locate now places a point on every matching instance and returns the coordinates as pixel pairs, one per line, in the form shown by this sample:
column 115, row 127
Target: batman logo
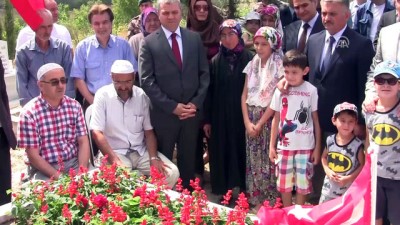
column 385, row 134
column 338, row 162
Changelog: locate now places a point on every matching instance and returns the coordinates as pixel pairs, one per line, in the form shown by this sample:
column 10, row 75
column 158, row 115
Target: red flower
column 178, row 186
column 227, row 197
column 104, row 215
column 80, row 200
column 44, row 208
column 144, row 222
column 66, row 213
column 117, row 213
column 99, row 200
column 22, row 176
column 86, row 217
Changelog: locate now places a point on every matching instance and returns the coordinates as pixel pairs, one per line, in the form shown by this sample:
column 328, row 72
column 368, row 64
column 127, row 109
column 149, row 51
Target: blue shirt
column 92, row 63
column 30, row 58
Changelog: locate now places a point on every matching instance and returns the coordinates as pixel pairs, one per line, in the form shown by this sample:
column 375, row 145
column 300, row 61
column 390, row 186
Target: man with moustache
column 52, row 128
column 95, row 54
column 39, row 50
column 121, row 127
column 175, row 75
column 59, row 31
column 339, row 59
column 297, row 33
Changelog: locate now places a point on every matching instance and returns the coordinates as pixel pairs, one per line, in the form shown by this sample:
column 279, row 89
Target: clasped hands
column 184, row 111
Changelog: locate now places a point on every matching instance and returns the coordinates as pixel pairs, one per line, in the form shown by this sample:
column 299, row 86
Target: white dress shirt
column 311, row 23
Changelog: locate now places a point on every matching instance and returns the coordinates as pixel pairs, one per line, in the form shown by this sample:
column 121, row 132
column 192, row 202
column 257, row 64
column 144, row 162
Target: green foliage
column 11, row 32
column 123, row 11
column 76, row 21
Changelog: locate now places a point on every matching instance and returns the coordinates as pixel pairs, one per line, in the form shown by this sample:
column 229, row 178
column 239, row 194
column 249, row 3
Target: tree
column 123, row 11
column 9, row 27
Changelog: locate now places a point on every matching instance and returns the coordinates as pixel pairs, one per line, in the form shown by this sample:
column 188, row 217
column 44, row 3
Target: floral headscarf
column 235, row 26
column 143, row 18
column 273, row 37
column 272, row 10
column 232, row 55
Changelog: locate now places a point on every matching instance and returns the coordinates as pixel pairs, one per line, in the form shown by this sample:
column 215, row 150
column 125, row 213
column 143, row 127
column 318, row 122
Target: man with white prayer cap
column 52, row 128
column 121, row 127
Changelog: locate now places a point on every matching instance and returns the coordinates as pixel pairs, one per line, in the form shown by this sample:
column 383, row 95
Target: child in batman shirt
column 343, row 157
column 383, row 126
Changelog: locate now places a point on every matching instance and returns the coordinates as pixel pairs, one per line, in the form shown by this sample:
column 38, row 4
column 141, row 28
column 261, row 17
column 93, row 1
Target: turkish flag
column 356, row 206
column 27, row 9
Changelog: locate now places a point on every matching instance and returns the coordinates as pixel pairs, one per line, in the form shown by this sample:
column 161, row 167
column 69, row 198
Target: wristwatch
column 155, row 158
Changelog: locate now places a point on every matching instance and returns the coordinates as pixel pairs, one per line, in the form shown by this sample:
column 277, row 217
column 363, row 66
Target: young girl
column 250, row 27
column 269, row 16
column 263, row 73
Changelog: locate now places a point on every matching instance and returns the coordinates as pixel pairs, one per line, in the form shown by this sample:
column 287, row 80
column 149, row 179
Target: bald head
column 43, row 32
column 52, row 6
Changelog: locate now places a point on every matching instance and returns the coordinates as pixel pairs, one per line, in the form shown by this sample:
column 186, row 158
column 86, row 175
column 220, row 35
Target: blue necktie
column 327, row 57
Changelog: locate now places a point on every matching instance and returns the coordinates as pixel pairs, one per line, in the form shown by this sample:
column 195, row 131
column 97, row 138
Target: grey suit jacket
column 388, row 18
column 387, row 49
column 162, row 79
column 291, row 33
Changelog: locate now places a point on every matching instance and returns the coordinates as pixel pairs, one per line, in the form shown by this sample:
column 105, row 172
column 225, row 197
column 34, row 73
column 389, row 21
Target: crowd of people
column 289, row 102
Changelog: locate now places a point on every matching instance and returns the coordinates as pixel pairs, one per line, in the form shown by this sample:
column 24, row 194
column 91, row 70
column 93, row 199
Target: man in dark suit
column 7, row 141
column 174, row 74
column 388, row 18
column 296, row 34
column 287, row 14
column 339, row 59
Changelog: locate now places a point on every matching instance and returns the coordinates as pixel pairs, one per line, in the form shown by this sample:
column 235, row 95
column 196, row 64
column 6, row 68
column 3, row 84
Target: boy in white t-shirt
column 296, row 128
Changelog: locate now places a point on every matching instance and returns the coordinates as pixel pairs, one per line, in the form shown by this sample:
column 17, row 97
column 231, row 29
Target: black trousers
column 5, row 169
column 184, row 133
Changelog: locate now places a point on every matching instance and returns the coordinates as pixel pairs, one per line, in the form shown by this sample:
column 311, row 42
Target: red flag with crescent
column 27, row 9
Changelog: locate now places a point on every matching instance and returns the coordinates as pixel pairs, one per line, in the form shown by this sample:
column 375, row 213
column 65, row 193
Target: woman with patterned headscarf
column 149, row 23
column 270, row 17
column 223, row 111
column 263, row 73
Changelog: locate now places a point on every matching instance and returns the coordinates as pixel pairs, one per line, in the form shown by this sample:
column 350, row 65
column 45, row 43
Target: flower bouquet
column 113, row 195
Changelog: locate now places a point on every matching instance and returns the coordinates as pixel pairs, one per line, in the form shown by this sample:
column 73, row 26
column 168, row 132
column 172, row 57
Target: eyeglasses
column 201, row 7
column 228, row 35
column 56, row 82
column 123, row 82
column 381, row 81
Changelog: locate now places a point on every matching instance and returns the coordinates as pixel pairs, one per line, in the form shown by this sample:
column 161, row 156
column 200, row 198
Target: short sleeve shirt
column 53, row 130
column 296, row 128
column 343, row 160
column 384, row 136
column 123, row 123
column 92, row 63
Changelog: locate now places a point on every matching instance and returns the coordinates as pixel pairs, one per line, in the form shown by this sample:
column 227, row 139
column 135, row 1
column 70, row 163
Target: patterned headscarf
column 272, row 10
column 235, row 26
column 232, row 55
column 143, row 18
column 273, row 37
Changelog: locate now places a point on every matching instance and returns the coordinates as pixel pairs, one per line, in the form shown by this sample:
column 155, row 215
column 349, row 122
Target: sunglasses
column 56, row 82
column 201, row 7
column 390, row 81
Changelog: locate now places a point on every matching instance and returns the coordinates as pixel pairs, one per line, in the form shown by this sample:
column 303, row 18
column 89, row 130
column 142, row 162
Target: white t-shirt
column 296, row 128
column 59, row 32
column 377, row 12
column 123, row 124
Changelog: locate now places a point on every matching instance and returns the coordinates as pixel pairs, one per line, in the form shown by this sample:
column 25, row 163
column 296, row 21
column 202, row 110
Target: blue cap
column 388, row 67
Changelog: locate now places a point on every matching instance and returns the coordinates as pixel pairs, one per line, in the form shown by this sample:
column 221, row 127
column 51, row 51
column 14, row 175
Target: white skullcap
column 46, row 68
column 122, row 66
